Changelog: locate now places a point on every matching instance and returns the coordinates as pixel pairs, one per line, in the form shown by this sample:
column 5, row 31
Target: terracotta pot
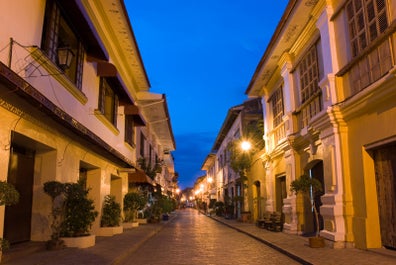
column 316, row 242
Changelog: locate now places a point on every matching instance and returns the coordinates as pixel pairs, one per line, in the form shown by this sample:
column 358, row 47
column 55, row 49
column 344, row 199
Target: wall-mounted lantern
column 65, row 56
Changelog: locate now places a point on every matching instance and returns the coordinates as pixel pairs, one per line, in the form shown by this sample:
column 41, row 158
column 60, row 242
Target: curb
column 277, row 248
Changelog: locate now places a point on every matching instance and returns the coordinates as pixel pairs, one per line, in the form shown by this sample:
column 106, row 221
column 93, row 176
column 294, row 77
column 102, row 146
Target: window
column 129, row 130
column 310, row 70
column 309, row 75
column 277, row 107
column 142, row 143
column 59, row 33
column 367, row 19
column 108, row 101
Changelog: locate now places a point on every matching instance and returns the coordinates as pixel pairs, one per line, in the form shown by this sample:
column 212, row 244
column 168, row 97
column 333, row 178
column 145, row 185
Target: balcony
column 276, row 136
column 372, row 64
column 308, row 110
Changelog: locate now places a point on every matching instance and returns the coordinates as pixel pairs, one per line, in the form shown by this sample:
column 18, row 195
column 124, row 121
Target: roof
column 294, row 20
column 155, row 111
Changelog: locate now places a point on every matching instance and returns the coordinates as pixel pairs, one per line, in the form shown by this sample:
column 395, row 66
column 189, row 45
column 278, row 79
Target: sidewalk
column 107, row 250
column 297, row 247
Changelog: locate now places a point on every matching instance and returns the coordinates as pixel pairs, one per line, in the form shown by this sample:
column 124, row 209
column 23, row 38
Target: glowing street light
column 246, row 145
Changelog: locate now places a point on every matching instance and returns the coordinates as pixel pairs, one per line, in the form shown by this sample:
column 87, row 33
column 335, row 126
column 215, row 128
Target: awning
column 105, row 69
column 139, row 177
column 133, row 110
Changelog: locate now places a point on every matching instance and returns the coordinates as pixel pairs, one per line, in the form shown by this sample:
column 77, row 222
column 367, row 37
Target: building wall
column 342, row 135
column 60, row 154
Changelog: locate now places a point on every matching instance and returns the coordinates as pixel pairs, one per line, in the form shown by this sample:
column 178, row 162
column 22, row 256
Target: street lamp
column 246, row 145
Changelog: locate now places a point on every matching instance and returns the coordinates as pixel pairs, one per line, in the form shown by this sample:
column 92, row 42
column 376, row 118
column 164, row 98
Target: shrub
column 111, row 215
column 79, row 211
column 133, row 201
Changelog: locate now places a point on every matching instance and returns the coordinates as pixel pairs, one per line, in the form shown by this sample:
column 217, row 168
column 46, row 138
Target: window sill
column 58, row 74
column 106, row 122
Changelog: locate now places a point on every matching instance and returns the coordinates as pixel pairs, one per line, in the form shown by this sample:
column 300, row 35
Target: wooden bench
column 272, row 221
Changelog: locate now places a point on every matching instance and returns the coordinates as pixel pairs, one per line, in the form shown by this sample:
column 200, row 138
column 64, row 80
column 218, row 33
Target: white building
column 61, row 122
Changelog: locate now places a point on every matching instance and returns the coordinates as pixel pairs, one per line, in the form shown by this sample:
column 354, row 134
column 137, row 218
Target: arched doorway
column 256, row 200
column 314, row 169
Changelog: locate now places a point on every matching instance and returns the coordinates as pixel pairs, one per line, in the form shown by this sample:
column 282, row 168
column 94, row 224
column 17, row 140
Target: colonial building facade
column 65, row 118
column 327, row 80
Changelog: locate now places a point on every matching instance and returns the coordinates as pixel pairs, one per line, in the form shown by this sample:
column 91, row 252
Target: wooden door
column 385, row 173
column 17, row 220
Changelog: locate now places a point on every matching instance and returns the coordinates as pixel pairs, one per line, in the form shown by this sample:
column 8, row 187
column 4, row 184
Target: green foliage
column 79, row 211
column 240, row 161
column 219, row 208
column 304, row 184
column 111, row 215
column 55, row 190
column 133, row 201
column 8, row 194
column 4, row 244
column 150, row 170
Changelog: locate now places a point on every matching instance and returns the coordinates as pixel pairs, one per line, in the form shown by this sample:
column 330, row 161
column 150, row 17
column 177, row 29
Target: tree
column 306, row 186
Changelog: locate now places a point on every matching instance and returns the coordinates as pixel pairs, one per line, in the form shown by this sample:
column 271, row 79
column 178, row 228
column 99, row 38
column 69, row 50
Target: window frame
column 56, row 28
column 277, row 105
column 108, row 98
column 367, row 20
column 129, row 136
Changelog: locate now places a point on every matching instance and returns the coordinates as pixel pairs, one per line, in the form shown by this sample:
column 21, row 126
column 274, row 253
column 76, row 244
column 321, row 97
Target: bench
column 272, row 221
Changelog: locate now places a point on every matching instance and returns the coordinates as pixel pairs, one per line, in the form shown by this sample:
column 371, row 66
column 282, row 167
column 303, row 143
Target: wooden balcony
column 308, row 110
column 277, row 135
column 372, row 64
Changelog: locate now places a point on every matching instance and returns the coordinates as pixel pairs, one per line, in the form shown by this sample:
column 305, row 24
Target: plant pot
column 129, row 225
column 109, row 231
column 142, row 221
column 316, row 242
column 55, row 244
column 79, row 242
column 165, row 217
column 245, row 217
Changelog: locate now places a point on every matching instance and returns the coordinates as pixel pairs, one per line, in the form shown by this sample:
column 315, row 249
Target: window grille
column 277, row 106
column 367, row 19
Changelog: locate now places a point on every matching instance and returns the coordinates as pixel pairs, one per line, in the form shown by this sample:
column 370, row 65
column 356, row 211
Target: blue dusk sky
column 202, row 54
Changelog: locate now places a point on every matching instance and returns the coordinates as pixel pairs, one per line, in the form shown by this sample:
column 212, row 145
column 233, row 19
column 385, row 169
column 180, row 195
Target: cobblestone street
column 193, row 238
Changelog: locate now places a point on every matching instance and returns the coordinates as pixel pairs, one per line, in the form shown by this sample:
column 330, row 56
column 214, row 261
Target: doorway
column 281, row 193
column 315, row 170
column 17, row 219
column 385, row 176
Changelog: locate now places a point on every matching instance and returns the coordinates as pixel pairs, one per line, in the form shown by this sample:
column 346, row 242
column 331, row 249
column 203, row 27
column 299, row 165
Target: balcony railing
column 276, row 135
column 372, row 64
column 308, row 110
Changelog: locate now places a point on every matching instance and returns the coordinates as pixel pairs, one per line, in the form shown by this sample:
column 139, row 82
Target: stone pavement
column 107, row 250
column 297, row 247
column 112, row 250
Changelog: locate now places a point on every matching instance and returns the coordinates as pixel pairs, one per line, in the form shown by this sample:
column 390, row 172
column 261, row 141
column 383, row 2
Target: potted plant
column 79, row 215
column 133, row 201
column 305, row 185
column 8, row 196
column 55, row 190
column 111, row 217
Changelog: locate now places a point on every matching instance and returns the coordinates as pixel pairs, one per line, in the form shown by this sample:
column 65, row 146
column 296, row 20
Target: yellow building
column 328, row 78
